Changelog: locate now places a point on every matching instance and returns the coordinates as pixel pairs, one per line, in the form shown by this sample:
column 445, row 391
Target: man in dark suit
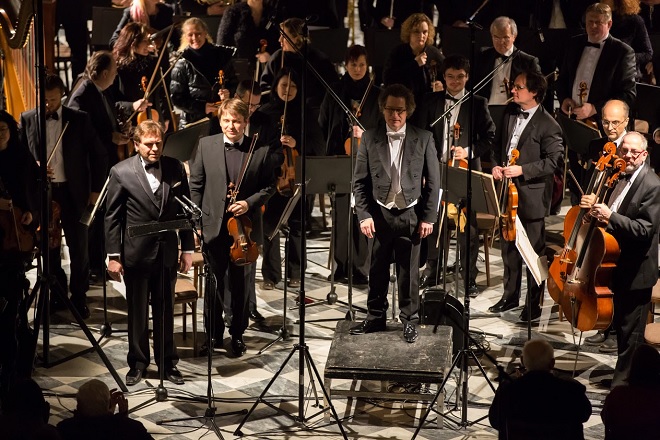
column 77, row 172
column 520, row 407
column 528, row 128
column 218, row 162
column 396, row 196
column 503, row 31
column 632, row 214
column 456, row 74
column 143, row 189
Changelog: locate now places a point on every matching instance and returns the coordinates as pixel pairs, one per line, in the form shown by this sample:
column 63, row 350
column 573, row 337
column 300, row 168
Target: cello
column 509, row 203
column 563, row 262
column 586, row 292
column 243, row 250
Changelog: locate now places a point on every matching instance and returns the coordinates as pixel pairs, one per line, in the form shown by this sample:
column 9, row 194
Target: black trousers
column 361, row 244
column 271, row 267
column 142, row 283
column 396, row 236
column 238, row 279
column 513, row 263
column 630, row 311
column 77, row 241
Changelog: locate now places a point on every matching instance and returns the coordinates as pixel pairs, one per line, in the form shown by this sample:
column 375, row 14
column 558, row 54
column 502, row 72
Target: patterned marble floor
column 237, row 382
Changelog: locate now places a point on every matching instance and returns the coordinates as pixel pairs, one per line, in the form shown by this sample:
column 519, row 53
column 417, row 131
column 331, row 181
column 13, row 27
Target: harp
column 18, row 51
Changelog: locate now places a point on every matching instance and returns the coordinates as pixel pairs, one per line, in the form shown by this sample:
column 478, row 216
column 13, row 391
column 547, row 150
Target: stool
column 198, row 266
column 185, row 293
column 486, row 224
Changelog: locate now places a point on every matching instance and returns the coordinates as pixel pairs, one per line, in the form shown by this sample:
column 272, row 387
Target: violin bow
column 57, row 144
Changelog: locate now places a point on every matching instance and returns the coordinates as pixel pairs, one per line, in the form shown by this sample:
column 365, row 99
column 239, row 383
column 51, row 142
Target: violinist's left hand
column 224, row 94
column 263, row 57
column 26, row 219
column 459, row 153
column 289, row 141
column 601, row 212
column 141, row 105
column 512, row 171
column 584, row 111
column 357, row 132
column 238, row 208
column 437, row 86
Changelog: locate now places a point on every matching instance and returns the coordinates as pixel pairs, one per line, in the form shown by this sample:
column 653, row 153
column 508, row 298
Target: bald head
column 538, row 355
column 615, row 118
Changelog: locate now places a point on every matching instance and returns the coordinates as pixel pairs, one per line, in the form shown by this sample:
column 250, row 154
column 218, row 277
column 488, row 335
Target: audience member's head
column 538, row 355
column 93, row 399
column 645, row 366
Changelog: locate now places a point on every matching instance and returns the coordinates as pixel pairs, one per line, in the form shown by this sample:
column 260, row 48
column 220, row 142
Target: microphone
column 184, row 206
column 273, row 17
column 192, row 204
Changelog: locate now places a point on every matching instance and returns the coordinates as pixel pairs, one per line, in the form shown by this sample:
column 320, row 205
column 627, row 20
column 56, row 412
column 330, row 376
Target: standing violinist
column 533, row 132
column 456, row 73
column 631, row 213
column 142, row 189
column 357, row 92
column 220, row 164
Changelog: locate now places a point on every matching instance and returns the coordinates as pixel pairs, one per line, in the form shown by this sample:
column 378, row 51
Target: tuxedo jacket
column 484, row 130
column 130, row 202
column 521, row 62
column 85, row 159
column 614, row 77
column 208, row 182
column 635, row 227
column 541, row 152
column 420, row 172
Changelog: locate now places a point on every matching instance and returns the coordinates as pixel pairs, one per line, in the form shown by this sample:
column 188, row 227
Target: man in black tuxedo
column 77, row 172
column 218, row 162
column 456, row 70
column 503, row 31
column 632, row 214
column 530, row 129
column 144, row 189
column 520, row 407
column 396, row 197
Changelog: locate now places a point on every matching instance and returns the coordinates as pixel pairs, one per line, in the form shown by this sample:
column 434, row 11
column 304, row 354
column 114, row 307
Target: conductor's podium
column 386, row 357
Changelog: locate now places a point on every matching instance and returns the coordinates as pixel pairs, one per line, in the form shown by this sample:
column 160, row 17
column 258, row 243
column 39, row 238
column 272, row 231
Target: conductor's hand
column 587, row 201
column 239, row 208
column 185, row 262
column 115, row 269
column 425, row 229
column 368, row 228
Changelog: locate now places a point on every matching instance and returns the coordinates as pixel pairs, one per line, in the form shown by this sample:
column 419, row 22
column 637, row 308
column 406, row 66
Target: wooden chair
column 652, row 330
column 185, row 293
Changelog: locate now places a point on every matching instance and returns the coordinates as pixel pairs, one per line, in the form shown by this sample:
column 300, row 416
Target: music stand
column 577, row 133
column 181, row 144
column 283, row 333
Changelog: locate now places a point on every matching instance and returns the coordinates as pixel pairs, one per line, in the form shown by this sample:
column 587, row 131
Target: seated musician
column 537, row 137
column 521, row 406
column 631, row 212
column 456, row 75
column 217, row 165
column 597, row 67
column 18, row 211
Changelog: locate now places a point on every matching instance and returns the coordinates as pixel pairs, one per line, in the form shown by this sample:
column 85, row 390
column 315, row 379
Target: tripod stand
column 304, row 358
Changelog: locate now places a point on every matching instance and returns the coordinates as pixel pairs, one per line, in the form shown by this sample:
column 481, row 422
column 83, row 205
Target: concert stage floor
column 237, row 382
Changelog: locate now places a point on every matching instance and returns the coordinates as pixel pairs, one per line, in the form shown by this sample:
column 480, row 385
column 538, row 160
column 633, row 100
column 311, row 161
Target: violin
column 509, row 203
column 564, row 261
column 457, row 163
column 221, row 85
column 587, row 300
column 583, row 94
column 262, row 49
column 149, row 113
column 351, row 144
column 243, row 250
column 506, row 88
column 286, row 182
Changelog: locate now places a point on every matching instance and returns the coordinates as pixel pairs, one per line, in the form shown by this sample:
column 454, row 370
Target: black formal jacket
column 531, row 398
column 85, row 160
column 130, row 202
column 419, row 163
column 401, row 68
column 541, row 152
column 520, row 62
column 484, row 131
column 635, row 227
column 614, row 77
column 208, row 182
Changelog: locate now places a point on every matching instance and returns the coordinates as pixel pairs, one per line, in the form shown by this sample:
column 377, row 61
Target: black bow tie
column 451, row 98
column 522, row 114
column 590, row 44
column 54, row 116
column 154, row 165
column 231, row 146
column 625, row 177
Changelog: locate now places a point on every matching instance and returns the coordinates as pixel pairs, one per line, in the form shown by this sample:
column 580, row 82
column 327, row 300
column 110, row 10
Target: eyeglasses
column 519, row 87
column 613, row 124
column 633, row 153
column 398, row 111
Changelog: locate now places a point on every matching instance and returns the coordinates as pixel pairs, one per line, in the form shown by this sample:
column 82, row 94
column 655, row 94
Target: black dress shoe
column 360, row 280
column 256, row 316
column 609, row 345
column 367, row 326
column 339, row 277
column 410, row 333
column 596, row 339
column 134, row 376
column 81, row 307
column 204, row 351
column 502, row 306
column 536, row 314
column 238, row 346
column 174, row 375
column 473, row 290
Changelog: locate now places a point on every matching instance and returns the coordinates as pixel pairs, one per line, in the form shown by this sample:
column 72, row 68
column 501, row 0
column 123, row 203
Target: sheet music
column 538, row 266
